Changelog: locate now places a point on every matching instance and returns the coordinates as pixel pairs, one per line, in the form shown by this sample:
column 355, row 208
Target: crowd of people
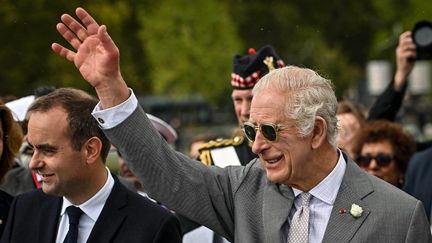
column 302, row 167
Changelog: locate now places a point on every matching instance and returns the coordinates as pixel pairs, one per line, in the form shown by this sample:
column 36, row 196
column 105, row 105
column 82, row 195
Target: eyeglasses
column 268, row 130
column 381, row 160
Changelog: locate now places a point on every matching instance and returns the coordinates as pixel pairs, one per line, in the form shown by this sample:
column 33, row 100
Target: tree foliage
column 183, row 48
column 190, row 46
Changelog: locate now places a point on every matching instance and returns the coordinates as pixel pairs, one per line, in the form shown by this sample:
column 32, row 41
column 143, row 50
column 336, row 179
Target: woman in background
column 383, row 149
column 10, row 141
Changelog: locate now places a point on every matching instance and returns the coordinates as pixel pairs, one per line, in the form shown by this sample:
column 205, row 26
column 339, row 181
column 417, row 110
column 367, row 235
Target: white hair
column 308, row 95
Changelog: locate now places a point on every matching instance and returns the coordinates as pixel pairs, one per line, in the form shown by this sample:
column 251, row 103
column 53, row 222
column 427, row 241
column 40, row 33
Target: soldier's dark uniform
column 248, row 69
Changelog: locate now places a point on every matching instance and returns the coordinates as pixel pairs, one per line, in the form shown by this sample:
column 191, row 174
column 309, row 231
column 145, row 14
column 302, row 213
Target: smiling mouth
column 274, row 161
column 44, row 175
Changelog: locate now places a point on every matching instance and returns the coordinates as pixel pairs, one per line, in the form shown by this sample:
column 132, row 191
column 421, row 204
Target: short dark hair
column 78, row 106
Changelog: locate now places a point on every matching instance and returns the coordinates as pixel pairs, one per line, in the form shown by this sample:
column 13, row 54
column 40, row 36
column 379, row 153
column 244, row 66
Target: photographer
column 388, row 103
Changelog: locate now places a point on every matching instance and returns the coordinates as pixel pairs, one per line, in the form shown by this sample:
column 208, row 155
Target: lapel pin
column 356, row 211
column 342, row 210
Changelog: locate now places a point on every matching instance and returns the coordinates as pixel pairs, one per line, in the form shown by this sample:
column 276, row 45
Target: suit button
column 101, row 121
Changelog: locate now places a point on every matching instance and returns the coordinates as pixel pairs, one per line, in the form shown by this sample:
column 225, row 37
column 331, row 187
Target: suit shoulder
column 421, row 158
column 207, row 147
column 35, row 195
column 392, row 194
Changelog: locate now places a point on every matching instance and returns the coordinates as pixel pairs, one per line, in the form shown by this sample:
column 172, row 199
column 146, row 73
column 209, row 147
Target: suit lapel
column 278, row 201
column 355, row 186
column 112, row 215
column 49, row 218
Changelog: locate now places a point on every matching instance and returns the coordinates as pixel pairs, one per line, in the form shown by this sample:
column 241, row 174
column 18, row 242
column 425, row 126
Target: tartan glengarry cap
column 248, row 69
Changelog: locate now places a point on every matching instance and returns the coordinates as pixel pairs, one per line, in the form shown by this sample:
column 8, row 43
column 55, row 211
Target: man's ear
column 93, row 148
column 319, row 134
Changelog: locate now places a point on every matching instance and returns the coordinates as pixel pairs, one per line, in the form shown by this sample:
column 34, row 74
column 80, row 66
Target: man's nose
column 245, row 109
column 35, row 161
column 260, row 143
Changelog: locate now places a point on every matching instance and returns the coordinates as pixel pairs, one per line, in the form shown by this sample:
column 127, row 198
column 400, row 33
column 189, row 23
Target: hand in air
column 95, row 55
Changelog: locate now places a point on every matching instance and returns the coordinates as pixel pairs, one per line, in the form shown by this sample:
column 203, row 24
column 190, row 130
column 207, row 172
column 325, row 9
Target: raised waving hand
column 95, row 55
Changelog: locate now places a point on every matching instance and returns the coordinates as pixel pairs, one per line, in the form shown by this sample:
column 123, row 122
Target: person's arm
column 389, row 103
column 184, row 185
column 95, row 55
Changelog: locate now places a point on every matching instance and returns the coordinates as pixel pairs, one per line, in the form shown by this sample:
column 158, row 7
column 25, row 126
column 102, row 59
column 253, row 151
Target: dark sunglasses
column 268, row 130
column 381, row 160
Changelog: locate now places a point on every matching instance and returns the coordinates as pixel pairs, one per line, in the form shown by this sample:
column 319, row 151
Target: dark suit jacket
column 126, row 217
column 418, row 178
column 5, row 202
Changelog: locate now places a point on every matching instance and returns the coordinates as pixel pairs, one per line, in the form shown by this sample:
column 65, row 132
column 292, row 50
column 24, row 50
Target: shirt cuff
column 111, row 117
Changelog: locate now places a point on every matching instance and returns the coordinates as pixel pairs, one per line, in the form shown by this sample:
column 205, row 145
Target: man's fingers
column 406, row 47
column 76, row 28
column 90, row 24
column 63, row 52
column 106, row 40
column 68, row 35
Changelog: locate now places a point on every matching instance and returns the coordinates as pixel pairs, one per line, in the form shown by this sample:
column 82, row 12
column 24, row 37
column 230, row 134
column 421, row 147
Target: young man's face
column 242, row 103
column 63, row 169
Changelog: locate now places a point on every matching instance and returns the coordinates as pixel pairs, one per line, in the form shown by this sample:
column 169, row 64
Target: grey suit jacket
column 240, row 203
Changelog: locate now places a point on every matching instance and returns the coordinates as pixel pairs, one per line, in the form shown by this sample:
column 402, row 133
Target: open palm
column 95, row 55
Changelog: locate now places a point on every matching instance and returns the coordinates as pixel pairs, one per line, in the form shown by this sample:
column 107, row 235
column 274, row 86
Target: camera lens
column 422, row 37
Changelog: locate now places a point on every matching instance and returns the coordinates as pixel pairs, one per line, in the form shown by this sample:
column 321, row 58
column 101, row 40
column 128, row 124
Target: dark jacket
column 126, row 217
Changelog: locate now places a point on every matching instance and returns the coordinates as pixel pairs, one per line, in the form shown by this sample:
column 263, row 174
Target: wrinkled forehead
column 268, row 106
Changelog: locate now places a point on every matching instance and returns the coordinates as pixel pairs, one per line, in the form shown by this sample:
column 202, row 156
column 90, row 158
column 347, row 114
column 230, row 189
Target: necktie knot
column 74, row 214
column 305, row 199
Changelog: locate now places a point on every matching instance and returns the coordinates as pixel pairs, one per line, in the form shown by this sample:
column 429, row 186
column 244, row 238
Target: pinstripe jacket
column 240, row 203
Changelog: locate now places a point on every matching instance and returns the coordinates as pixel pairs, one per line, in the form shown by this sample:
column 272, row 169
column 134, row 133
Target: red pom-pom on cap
column 251, row 51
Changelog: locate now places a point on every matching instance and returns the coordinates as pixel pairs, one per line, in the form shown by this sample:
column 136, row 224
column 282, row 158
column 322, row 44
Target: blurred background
column 177, row 54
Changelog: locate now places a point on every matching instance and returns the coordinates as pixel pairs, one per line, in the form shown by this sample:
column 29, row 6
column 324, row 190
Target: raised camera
column 422, row 37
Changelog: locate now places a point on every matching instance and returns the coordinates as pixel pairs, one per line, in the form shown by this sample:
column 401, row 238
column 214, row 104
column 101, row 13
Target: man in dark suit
column 301, row 186
column 69, row 153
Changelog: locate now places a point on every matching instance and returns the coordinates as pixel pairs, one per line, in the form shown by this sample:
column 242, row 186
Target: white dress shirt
column 91, row 208
column 111, row 117
column 322, row 201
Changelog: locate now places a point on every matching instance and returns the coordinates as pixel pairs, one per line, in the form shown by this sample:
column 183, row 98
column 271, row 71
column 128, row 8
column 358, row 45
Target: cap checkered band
column 245, row 83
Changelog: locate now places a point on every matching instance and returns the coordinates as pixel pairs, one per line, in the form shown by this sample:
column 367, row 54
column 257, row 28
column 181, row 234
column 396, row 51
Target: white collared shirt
column 322, row 201
column 111, row 117
column 91, row 208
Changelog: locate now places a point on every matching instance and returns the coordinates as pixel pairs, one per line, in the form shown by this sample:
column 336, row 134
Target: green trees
column 183, row 48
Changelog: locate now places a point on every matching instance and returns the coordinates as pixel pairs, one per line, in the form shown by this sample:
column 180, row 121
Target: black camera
column 422, row 37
